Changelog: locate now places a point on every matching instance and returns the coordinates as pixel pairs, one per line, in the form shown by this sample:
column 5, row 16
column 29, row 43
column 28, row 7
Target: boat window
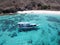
column 20, row 25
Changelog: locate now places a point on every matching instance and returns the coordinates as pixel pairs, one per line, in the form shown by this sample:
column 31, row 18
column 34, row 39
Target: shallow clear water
column 47, row 34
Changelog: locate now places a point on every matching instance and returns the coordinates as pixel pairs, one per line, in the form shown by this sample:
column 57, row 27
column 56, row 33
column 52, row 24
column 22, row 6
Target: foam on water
column 47, row 34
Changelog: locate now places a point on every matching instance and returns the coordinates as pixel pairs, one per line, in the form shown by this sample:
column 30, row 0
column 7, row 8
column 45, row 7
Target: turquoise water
column 47, row 34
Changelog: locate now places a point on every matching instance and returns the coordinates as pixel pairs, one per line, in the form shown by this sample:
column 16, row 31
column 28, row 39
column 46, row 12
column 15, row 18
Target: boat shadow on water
column 28, row 29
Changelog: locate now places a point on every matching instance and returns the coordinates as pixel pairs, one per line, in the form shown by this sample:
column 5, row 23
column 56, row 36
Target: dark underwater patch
column 59, row 42
column 52, row 19
column 2, row 43
column 6, row 21
column 51, row 26
column 58, row 33
column 7, row 25
column 30, row 41
column 12, row 28
column 14, row 34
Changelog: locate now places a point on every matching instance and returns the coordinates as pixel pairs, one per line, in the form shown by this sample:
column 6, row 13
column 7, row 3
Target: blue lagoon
column 47, row 34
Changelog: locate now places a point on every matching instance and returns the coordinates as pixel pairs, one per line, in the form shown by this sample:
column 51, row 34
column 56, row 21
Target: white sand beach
column 40, row 11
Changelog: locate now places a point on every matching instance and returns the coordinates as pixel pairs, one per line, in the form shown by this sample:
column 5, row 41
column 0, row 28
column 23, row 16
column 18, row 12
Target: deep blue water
column 47, row 34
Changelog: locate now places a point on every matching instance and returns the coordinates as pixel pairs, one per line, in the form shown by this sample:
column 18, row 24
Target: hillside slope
column 30, row 4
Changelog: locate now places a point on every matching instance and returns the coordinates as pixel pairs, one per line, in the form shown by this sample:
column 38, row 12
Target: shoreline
column 39, row 12
column 33, row 11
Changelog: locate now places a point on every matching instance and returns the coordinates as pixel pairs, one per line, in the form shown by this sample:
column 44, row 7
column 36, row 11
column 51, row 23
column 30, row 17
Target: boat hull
column 25, row 29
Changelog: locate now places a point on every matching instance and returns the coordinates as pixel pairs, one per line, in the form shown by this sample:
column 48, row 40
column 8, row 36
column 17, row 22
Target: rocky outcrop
column 20, row 5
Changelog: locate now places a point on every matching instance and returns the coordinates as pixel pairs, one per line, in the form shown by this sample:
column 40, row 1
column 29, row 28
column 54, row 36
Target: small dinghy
column 26, row 25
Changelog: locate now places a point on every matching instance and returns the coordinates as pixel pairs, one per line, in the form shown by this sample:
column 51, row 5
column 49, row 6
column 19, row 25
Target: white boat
column 26, row 25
